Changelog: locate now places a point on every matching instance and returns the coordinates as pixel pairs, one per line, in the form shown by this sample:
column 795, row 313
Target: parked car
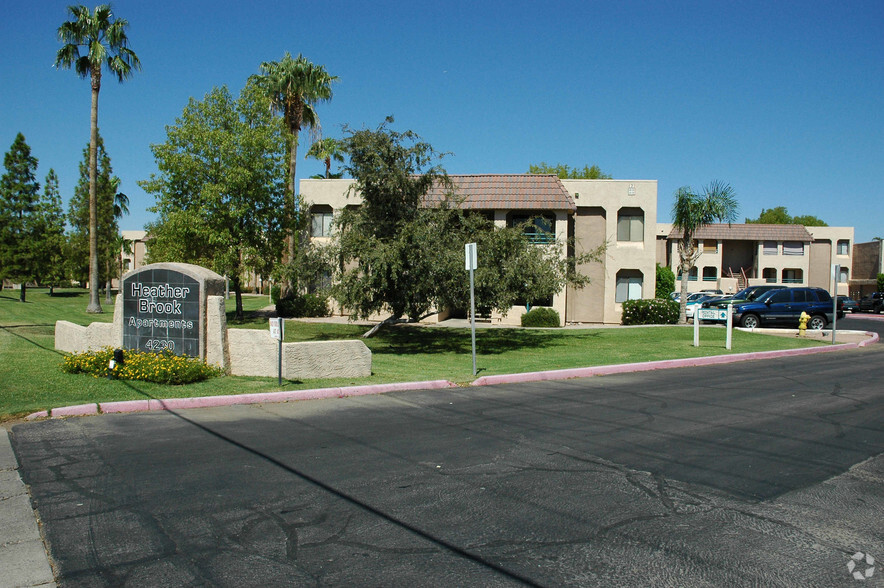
column 873, row 302
column 745, row 295
column 783, row 307
column 694, row 295
column 847, row 304
column 698, row 302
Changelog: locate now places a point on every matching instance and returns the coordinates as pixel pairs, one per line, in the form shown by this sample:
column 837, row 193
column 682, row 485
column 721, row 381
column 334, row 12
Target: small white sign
column 275, row 330
column 470, row 254
column 712, row 314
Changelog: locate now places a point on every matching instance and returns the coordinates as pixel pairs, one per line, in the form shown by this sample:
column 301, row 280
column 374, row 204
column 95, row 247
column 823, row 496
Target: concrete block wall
column 254, row 353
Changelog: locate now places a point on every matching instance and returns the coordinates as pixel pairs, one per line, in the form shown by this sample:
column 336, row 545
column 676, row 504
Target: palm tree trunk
column 94, row 302
column 685, row 253
column 285, row 288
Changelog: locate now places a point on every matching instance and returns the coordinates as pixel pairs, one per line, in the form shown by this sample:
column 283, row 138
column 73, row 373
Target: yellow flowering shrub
column 161, row 368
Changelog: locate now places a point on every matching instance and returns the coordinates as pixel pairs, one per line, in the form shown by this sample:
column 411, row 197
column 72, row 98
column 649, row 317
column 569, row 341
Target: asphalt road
column 763, row 473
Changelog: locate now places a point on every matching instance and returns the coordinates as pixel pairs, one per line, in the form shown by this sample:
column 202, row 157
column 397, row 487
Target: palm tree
column 103, row 39
column 294, row 85
column 326, row 150
column 691, row 212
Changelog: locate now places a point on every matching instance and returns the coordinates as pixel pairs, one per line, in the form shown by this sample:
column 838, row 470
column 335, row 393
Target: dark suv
column 784, row 307
column 745, row 295
column 873, row 302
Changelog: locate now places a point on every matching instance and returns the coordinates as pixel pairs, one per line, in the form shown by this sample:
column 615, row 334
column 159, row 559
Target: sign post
column 471, row 263
column 277, row 331
column 836, row 272
column 730, row 326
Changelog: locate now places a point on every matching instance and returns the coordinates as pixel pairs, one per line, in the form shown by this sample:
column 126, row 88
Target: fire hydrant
column 802, row 323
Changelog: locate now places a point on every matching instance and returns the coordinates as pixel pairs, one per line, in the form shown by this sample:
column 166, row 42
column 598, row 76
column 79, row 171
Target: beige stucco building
column 738, row 255
column 618, row 213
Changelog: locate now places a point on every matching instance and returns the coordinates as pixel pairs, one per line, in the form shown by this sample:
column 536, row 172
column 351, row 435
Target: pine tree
column 78, row 217
column 50, row 253
column 19, row 202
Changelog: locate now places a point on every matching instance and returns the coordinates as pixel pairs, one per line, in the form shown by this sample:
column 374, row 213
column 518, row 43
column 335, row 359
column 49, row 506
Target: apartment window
column 770, row 248
column 629, row 285
column 793, row 276
column 539, row 228
column 843, row 247
column 710, row 274
column 793, row 248
column 321, row 221
column 770, row 275
column 843, row 275
column 710, row 246
column 692, row 275
column 631, row 224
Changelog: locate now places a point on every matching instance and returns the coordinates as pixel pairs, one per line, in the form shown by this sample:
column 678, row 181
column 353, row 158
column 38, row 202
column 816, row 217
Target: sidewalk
column 23, row 559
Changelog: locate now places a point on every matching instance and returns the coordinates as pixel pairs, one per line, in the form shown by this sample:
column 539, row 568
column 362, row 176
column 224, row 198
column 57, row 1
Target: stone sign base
column 240, row 352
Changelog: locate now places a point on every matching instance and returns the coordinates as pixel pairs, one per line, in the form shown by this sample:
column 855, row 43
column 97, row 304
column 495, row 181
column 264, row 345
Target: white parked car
column 696, row 302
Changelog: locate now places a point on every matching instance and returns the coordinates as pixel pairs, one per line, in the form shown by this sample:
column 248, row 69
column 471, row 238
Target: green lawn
column 31, row 380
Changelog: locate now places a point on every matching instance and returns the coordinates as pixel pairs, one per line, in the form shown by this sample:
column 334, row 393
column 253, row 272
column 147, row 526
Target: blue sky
column 783, row 100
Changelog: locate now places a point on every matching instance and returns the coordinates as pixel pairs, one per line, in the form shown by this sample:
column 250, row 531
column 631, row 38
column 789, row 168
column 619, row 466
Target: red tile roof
column 506, row 192
column 748, row 232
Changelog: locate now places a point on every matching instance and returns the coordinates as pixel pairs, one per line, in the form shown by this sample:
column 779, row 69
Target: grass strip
column 31, row 379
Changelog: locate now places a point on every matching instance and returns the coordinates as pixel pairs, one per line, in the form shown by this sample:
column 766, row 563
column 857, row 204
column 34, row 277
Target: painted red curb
column 78, row 410
column 265, row 397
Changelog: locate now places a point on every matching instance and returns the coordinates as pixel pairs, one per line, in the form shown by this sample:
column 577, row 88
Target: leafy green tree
column 692, row 211
column 19, row 210
column 327, row 150
column 220, row 192
column 566, row 172
column 107, row 217
column 880, row 282
column 51, row 266
column 808, row 220
column 103, row 39
column 295, row 86
column 780, row 216
column 665, row 282
column 400, row 257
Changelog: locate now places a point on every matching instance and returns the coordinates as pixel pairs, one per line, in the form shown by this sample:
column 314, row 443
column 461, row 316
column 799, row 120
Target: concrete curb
column 127, row 406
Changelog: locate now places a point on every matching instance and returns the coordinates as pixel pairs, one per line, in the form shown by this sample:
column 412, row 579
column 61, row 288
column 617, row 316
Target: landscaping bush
column 665, row 282
column 541, row 317
column 301, row 305
column 160, row 368
column 650, row 312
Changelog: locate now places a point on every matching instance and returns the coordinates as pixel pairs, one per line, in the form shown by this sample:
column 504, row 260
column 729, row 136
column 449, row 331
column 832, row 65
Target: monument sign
column 164, row 308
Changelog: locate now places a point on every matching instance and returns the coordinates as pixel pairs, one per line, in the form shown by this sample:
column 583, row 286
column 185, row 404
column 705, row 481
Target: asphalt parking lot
column 760, row 473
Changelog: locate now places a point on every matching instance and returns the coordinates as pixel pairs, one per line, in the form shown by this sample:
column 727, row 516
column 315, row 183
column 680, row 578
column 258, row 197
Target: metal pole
column 473, row 318
column 696, row 327
column 835, row 271
column 730, row 325
column 281, row 337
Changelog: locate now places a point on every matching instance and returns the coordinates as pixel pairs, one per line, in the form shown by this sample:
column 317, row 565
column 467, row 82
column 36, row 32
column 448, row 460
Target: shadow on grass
column 67, row 294
column 8, row 329
column 410, row 340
